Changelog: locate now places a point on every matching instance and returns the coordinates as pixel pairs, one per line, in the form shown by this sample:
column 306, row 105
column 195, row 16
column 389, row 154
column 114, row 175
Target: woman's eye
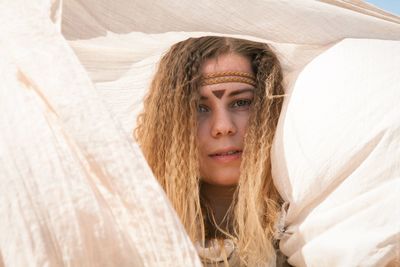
column 202, row 109
column 241, row 103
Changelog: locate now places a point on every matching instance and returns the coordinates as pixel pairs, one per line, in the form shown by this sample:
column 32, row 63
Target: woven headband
column 227, row 77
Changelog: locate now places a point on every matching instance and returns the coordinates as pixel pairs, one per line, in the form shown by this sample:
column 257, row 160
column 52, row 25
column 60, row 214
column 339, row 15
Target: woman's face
column 223, row 114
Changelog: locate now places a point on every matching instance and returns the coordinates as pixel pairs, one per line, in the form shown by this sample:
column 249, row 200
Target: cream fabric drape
column 336, row 158
column 76, row 190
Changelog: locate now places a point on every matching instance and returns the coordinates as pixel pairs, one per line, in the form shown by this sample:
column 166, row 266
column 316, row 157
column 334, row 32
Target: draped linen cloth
column 336, row 158
column 76, row 190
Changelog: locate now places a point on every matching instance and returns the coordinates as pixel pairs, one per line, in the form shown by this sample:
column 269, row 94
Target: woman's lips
column 226, row 157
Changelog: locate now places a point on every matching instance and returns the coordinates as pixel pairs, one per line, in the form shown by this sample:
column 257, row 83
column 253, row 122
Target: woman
column 206, row 131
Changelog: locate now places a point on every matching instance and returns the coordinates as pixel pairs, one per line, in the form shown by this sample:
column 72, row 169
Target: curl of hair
column 167, row 130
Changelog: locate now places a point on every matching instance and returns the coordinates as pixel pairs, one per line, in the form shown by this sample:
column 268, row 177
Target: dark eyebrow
column 240, row 91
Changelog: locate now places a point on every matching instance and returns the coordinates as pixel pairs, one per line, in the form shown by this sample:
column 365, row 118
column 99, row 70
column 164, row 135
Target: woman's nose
column 223, row 124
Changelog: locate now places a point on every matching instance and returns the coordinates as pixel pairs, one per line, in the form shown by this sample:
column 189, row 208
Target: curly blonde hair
column 167, row 130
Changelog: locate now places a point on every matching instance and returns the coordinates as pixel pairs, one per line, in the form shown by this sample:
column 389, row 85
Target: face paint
column 218, row 93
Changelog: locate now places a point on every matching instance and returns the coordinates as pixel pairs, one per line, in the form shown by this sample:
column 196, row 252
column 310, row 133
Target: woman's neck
column 219, row 199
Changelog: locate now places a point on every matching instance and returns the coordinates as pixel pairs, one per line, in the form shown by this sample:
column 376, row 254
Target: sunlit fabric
column 336, row 157
column 75, row 188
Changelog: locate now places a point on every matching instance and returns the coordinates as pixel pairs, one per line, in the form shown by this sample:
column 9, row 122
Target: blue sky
column 392, row 6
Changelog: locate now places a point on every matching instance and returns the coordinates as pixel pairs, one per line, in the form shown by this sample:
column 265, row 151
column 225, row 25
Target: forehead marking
column 218, row 93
